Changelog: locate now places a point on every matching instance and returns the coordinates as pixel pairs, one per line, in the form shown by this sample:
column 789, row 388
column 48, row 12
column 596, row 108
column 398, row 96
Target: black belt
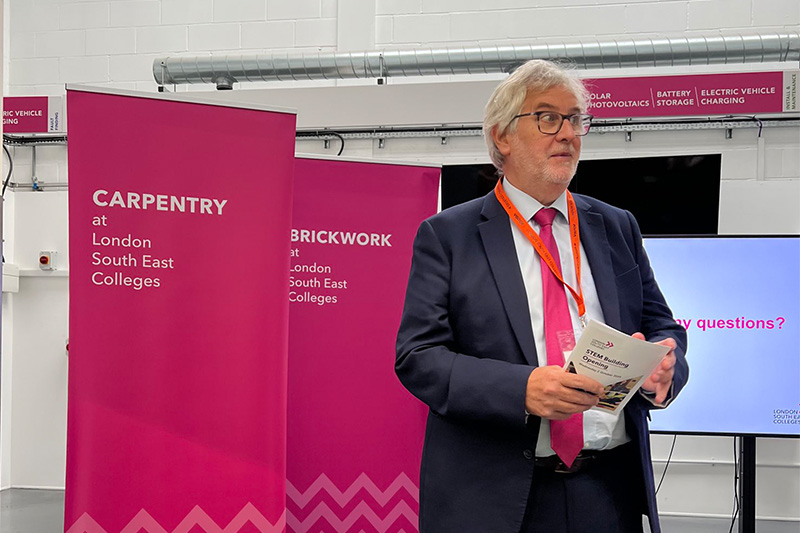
column 584, row 460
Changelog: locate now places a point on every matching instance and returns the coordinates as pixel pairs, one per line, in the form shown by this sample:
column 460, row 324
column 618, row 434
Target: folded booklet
column 618, row 361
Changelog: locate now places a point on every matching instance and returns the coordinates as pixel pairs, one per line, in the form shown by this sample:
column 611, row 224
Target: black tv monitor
column 646, row 185
column 642, row 185
column 739, row 298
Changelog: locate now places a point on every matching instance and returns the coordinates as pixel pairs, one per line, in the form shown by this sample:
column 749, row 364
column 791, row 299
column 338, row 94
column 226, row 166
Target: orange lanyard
column 541, row 249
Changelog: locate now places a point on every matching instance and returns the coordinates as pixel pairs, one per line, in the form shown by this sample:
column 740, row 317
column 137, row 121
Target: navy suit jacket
column 465, row 347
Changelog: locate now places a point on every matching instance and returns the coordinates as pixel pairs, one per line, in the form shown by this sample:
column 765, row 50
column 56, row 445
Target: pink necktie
column 566, row 436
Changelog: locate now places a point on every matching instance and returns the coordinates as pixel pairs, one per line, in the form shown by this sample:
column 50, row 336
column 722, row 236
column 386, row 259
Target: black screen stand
column 747, row 484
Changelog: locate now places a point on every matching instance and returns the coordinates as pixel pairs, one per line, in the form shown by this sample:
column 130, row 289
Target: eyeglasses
column 550, row 122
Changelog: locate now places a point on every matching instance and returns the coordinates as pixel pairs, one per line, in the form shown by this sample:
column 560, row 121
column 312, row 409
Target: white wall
column 113, row 43
column 37, row 319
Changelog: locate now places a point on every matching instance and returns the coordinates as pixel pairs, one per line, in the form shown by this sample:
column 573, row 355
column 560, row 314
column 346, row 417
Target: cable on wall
column 666, row 465
column 323, row 135
column 736, row 475
column 32, row 141
column 10, row 170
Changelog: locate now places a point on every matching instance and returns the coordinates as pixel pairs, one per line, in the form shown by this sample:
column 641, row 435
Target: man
column 510, row 443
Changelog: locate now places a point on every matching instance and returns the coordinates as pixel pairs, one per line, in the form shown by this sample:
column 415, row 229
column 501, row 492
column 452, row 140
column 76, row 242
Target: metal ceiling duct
column 225, row 70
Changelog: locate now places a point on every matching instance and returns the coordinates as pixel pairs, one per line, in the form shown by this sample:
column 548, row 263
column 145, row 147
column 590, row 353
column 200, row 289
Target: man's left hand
column 660, row 381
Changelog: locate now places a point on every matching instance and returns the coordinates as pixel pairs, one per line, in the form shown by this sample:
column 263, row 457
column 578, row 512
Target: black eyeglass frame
column 563, row 118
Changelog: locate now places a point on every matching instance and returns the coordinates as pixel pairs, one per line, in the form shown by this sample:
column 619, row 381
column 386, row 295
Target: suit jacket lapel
column 598, row 254
column 499, row 246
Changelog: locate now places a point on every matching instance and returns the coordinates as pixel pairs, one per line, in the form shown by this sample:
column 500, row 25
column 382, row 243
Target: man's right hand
column 555, row 394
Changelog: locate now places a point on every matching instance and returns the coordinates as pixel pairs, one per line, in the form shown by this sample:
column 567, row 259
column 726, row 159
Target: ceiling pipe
column 224, row 70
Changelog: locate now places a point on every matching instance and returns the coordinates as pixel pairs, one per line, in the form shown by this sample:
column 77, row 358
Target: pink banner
column 33, row 114
column 354, row 435
column 179, row 254
column 702, row 94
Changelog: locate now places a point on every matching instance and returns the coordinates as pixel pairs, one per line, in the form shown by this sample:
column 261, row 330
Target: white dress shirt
column 601, row 430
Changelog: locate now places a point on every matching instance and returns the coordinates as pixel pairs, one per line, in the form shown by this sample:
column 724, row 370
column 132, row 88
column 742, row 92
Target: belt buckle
column 562, row 468
column 578, row 464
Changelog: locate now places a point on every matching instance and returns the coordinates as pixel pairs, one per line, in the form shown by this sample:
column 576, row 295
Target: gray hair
column 534, row 76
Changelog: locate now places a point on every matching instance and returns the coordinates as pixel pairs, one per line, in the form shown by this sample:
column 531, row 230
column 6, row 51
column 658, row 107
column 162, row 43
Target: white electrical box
column 10, row 278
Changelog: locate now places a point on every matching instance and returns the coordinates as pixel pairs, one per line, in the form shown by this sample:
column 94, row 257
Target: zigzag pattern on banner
column 196, row 517
column 362, row 510
column 363, row 481
column 401, row 488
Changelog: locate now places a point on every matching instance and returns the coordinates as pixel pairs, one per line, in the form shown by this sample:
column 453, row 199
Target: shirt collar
column 529, row 206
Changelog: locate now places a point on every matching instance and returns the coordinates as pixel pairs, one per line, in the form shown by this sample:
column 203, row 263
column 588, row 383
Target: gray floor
column 31, row 511
column 42, row 511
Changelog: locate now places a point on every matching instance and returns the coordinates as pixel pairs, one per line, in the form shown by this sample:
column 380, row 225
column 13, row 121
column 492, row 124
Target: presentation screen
column 739, row 299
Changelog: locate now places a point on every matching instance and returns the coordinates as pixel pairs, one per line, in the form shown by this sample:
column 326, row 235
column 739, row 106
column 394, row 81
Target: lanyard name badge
column 544, row 253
